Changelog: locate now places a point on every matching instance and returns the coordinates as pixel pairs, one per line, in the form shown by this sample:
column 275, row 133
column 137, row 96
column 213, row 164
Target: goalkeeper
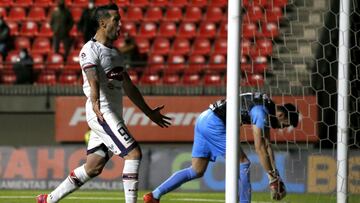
column 256, row 109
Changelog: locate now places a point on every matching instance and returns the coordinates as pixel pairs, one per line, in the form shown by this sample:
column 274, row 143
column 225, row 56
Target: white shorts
column 111, row 136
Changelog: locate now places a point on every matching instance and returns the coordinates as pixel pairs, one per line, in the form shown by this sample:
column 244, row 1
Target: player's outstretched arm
column 266, row 156
column 261, row 148
column 136, row 97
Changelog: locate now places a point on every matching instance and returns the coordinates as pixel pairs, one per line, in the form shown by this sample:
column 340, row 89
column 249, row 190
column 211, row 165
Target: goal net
column 301, row 66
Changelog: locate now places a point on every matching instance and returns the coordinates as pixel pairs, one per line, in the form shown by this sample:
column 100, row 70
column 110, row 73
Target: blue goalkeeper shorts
column 209, row 136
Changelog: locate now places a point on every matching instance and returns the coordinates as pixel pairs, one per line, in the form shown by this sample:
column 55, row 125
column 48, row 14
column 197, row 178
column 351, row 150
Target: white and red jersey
column 104, row 59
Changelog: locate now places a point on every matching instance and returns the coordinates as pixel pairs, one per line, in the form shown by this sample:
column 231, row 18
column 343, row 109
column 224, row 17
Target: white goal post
column 233, row 81
column 342, row 108
column 232, row 115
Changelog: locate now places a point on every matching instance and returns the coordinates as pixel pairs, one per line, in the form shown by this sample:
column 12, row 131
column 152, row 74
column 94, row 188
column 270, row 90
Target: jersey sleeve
column 88, row 58
column 258, row 116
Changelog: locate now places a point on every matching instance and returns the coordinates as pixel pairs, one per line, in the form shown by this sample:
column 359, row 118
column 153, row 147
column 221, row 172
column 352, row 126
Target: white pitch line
column 119, row 198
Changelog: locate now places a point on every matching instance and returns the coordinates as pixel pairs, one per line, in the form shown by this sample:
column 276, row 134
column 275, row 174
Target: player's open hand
column 161, row 120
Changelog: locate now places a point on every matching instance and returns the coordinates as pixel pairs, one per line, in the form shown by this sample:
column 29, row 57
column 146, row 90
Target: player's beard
column 114, row 35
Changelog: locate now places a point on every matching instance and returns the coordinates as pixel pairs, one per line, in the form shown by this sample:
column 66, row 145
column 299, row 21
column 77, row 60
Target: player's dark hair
column 291, row 113
column 102, row 12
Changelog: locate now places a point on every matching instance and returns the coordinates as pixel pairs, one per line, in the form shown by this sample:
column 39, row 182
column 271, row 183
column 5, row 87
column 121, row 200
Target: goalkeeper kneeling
column 258, row 110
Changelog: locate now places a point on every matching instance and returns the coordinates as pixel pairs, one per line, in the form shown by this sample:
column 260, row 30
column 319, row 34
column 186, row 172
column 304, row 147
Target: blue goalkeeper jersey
column 256, row 108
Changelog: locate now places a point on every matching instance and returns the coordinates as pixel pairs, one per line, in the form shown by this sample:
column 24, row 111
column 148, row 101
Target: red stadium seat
column 178, row 3
column 160, row 3
column 278, row 3
column 36, row 14
column 196, row 63
column 212, row 79
column 102, row 2
column 80, row 3
column 180, row 46
column 143, row 45
column 223, row 29
column 161, row 46
column 153, row 14
column 220, row 3
column 213, row 14
column 38, row 60
column 187, row 30
column 269, row 30
column 140, row 3
column 176, row 64
column 6, row 3
column 199, row 3
column 23, row 3
column 260, row 64
column 134, row 14
column 76, row 13
column 8, row 77
column 46, row 77
column 156, row 63
column 43, row 3
column 201, row 46
column 217, row 62
column 246, row 47
column 249, row 3
column 122, row 3
column 147, row 30
column 167, row 29
column 173, row 14
column 253, row 80
column 129, row 28
column 72, row 62
column 3, row 12
column 249, row 30
column 16, row 14
column 273, row 14
column 220, row 46
column 192, row 79
column 22, row 43
column 29, row 29
column 11, row 58
column 54, row 61
column 253, row 14
column 68, row 77
column 14, row 28
column 74, row 32
column 207, row 29
column 192, row 14
column 45, row 30
column 246, row 66
column 264, row 47
column 171, row 79
column 150, row 79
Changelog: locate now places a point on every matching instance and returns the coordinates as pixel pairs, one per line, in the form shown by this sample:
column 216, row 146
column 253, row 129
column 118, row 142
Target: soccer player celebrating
column 258, row 110
column 104, row 79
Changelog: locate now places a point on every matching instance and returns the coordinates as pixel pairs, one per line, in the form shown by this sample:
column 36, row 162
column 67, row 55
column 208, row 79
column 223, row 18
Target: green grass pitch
column 28, row 196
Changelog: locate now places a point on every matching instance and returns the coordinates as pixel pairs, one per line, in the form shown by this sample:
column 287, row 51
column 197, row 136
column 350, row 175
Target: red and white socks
column 130, row 180
column 75, row 180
